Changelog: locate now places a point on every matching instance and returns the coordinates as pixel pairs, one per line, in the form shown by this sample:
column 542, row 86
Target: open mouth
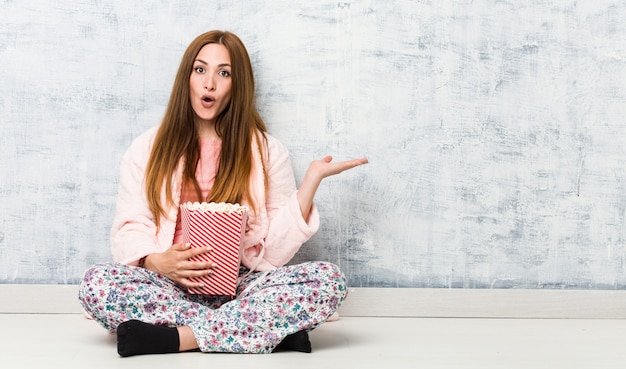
column 208, row 99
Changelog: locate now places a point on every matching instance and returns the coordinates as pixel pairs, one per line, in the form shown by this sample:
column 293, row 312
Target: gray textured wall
column 495, row 130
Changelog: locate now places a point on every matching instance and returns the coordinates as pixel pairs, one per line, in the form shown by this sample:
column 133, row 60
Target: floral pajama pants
column 268, row 306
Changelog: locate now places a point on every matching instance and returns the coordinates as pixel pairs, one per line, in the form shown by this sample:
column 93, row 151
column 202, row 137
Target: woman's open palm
column 325, row 167
column 317, row 171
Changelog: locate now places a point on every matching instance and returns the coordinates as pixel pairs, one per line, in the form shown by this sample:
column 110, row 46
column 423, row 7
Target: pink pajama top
column 205, row 175
column 274, row 232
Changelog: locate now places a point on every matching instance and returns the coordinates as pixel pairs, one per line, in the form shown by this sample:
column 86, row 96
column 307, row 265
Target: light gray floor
column 71, row 341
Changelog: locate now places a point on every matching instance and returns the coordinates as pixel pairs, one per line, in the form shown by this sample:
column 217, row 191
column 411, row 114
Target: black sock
column 298, row 341
column 137, row 338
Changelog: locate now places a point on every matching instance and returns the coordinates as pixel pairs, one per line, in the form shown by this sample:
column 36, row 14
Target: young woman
column 212, row 145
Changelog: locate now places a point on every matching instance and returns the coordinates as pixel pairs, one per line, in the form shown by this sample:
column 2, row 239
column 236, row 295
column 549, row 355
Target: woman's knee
column 332, row 278
column 91, row 291
column 99, row 281
column 99, row 274
column 92, row 276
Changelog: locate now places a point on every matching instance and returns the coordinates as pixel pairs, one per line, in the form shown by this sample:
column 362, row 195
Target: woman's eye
column 224, row 73
column 199, row 69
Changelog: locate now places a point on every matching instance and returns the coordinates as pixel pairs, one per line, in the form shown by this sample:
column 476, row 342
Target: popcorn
column 220, row 226
column 223, row 207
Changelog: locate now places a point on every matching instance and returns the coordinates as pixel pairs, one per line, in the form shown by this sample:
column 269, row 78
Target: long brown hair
column 177, row 136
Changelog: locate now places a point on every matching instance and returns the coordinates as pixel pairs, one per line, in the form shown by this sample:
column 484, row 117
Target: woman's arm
column 317, row 171
column 133, row 232
column 293, row 217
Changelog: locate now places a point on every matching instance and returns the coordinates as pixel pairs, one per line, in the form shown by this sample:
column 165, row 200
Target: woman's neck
column 206, row 131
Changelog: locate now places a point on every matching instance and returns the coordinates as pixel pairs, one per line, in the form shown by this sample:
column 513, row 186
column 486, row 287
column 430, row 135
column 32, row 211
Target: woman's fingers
column 196, row 251
column 181, row 246
column 180, row 267
column 196, row 269
column 187, row 252
column 183, row 277
column 188, row 283
column 349, row 164
column 325, row 167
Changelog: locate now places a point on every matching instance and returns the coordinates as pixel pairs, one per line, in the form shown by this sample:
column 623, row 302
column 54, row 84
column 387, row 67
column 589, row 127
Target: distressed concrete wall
column 495, row 130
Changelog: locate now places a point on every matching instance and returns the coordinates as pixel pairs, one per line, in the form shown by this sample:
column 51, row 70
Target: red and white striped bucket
column 222, row 230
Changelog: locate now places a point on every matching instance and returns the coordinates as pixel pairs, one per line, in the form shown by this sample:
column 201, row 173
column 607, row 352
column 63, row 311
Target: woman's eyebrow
column 219, row 65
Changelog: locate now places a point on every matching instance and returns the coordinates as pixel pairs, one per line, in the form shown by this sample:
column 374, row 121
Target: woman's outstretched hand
column 174, row 264
column 325, row 167
column 317, row 171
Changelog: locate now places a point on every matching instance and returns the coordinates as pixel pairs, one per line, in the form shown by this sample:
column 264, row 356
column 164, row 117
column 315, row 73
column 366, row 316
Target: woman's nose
column 209, row 83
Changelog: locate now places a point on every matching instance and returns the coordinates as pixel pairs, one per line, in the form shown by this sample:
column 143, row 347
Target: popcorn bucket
column 220, row 226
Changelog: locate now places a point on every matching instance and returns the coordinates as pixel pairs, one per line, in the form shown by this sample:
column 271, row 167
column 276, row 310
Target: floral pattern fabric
column 268, row 306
